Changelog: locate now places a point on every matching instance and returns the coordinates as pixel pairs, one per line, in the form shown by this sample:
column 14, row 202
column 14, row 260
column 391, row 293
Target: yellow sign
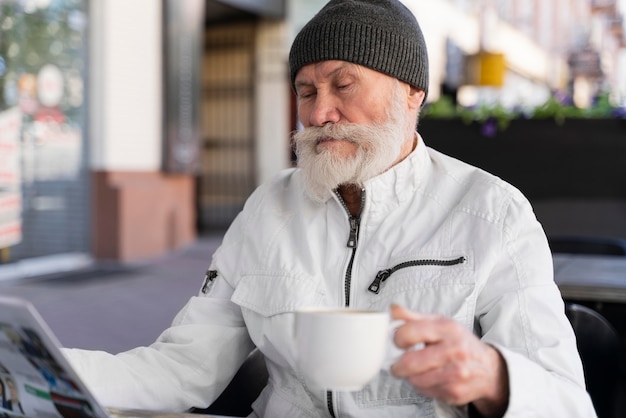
column 486, row 69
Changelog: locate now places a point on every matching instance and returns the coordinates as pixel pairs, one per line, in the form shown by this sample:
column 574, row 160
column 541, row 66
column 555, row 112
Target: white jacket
column 284, row 252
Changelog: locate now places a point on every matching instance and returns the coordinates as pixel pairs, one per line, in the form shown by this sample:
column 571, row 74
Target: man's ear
column 416, row 97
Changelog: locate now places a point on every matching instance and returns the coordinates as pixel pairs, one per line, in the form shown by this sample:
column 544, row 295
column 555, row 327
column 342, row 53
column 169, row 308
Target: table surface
column 591, row 277
column 137, row 413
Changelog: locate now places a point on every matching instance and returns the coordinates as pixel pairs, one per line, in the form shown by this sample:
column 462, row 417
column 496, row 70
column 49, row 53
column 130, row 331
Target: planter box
column 583, row 158
column 574, row 174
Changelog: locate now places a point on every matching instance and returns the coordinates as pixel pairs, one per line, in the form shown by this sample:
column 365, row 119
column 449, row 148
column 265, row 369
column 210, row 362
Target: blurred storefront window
column 43, row 180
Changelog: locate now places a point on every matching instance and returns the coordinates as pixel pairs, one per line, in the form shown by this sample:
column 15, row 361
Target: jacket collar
column 402, row 180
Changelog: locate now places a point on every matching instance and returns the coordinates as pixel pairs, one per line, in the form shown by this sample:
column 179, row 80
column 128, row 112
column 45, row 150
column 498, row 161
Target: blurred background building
column 127, row 128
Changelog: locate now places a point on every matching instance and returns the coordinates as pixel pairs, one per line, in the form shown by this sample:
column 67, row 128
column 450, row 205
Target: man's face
column 357, row 124
column 341, row 92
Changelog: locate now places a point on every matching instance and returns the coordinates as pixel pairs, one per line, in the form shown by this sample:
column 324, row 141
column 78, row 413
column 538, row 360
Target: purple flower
column 619, row 112
column 489, row 128
column 563, row 97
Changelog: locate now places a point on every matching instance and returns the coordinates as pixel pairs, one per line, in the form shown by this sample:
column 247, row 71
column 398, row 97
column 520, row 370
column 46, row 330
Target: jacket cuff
column 523, row 375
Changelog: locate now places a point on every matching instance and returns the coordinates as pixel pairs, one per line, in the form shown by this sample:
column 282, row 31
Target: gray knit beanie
column 379, row 34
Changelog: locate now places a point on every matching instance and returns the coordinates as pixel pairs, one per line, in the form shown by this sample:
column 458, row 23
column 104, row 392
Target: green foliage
column 497, row 117
column 30, row 40
column 442, row 108
column 555, row 109
column 483, row 114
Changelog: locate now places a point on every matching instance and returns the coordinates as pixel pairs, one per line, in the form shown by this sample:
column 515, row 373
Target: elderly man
column 369, row 195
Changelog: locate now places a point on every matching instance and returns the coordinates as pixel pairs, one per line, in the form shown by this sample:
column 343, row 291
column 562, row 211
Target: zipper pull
column 209, row 278
column 381, row 276
column 354, row 232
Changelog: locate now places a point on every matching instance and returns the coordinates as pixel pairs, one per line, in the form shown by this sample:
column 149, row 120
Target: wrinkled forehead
column 329, row 68
column 336, row 70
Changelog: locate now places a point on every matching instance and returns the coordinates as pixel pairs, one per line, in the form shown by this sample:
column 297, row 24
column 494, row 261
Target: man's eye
column 306, row 94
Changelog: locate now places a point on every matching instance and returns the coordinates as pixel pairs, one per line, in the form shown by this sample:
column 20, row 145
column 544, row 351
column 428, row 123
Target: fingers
column 454, row 365
column 439, row 339
column 400, row 312
column 418, row 328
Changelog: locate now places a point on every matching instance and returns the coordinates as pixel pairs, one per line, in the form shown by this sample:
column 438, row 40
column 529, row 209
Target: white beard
column 378, row 148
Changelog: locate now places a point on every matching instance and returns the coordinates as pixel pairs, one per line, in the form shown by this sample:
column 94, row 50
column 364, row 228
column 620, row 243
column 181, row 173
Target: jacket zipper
column 383, row 275
column 353, row 241
column 209, row 279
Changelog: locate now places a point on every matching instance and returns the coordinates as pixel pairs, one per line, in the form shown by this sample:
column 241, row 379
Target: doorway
column 227, row 175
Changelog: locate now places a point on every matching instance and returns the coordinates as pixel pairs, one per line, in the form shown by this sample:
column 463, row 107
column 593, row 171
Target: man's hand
column 454, row 366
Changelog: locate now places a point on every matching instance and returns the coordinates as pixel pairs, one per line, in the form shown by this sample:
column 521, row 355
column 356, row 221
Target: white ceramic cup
column 341, row 349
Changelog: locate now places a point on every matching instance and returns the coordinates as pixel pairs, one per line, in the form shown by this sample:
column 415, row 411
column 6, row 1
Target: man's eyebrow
column 346, row 69
column 302, row 83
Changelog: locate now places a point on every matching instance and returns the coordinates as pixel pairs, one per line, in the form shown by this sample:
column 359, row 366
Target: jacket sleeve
column 521, row 312
column 189, row 365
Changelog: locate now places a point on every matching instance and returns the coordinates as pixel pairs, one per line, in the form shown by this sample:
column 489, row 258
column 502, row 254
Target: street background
column 115, row 308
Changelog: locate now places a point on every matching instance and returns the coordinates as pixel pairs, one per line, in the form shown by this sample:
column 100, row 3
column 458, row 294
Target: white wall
column 440, row 20
column 621, row 94
column 622, row 59
column 125, row 85
column 299, row 12
column 272, row 100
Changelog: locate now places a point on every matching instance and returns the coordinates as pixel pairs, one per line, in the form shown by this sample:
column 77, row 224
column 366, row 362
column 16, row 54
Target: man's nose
column 325, row 110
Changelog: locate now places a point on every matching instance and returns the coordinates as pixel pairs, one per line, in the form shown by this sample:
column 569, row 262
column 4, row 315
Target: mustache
column 351, row 132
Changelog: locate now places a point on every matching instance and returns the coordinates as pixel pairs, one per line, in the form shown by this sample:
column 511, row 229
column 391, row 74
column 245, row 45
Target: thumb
column 400, row 312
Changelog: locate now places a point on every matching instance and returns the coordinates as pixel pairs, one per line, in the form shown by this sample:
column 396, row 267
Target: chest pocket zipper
column 383, row 275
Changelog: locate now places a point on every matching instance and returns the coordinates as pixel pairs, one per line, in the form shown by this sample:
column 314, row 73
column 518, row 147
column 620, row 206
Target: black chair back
column 599, row 347
column 588, row 245
column 236, row 400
